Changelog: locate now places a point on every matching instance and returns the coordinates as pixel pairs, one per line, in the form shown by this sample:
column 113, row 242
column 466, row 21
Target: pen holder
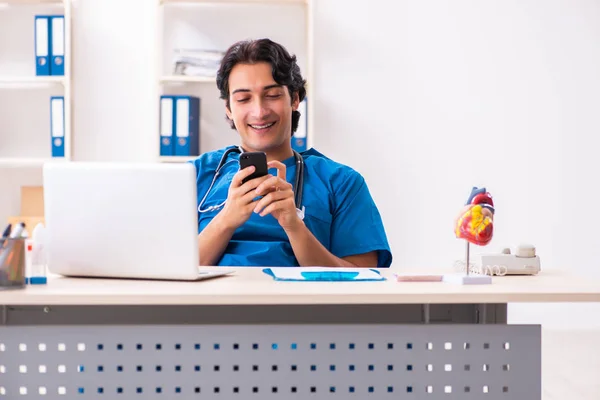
column 12, row 263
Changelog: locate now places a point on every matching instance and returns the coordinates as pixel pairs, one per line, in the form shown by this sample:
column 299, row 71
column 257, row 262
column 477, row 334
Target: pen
column 18, row 230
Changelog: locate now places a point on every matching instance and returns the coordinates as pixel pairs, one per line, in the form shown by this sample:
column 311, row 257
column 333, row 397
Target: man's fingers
column 253, row 183
column 274, row 206
column 241, row 174
column 247, row 198
column 266, row 185
column 281, row 169
column 274, row 181
column 270, row 198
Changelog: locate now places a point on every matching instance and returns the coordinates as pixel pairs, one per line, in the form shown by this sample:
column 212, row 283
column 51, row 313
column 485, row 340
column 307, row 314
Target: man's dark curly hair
column 284, row 66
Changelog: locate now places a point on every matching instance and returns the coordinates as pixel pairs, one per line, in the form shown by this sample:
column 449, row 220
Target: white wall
column 114, row 80
column 428, row 98
column 425, row 98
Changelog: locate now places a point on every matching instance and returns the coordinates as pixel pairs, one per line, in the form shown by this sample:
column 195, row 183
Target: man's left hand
column 278, row 198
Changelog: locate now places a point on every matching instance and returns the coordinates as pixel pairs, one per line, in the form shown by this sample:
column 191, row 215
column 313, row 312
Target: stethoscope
column 298, row 181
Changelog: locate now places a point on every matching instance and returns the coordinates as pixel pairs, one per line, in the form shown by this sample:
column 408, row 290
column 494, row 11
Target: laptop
column 123, row 220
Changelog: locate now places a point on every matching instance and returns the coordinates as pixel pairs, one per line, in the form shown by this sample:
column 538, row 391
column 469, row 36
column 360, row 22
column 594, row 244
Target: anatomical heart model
column 475, row 222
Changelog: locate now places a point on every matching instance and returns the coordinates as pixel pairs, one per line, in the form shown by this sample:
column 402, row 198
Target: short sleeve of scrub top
column 339, row 212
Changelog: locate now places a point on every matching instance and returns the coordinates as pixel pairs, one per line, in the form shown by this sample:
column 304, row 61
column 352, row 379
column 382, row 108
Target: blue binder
column 187, row 126
column 167, row 125
column 42, row 45
column 57, row 125
column 57, row 45
column 299, row 137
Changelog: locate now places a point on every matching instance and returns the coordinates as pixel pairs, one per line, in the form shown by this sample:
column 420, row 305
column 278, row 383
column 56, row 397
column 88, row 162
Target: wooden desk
column 251, row 286
column 248, row 336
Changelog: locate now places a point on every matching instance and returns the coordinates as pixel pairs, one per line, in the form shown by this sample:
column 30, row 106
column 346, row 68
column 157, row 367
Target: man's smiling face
column 260, row 108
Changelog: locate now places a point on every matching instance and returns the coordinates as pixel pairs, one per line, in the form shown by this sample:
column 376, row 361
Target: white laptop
column 123, row 220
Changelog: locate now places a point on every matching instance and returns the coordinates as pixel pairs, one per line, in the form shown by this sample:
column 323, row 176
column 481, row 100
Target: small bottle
column 37, row 271
column 28, row 258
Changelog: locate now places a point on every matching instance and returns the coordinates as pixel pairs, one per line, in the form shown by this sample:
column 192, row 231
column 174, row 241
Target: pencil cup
column 12, row 263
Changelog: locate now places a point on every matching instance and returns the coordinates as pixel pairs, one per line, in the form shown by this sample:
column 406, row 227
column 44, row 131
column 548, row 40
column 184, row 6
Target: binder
column 299, row 137
column 187, row 126
column 42, row 45
column 57, row 125
column 167, row 125
column 57, row 47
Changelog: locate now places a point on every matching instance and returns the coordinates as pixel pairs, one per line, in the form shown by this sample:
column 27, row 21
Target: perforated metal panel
column 278, row 361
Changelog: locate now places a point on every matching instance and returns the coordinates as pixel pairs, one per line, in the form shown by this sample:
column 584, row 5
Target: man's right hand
column 240, row 198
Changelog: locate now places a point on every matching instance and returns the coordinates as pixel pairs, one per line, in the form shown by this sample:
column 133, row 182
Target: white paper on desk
column 331, row 274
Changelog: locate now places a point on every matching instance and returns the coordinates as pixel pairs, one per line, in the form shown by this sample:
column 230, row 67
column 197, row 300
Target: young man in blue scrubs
column 256, row 223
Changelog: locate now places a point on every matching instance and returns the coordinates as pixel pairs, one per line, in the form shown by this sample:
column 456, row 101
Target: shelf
column 219, row 2
column 176, row 159
column 188, row 79
column 8, row 3
column 211, row 33
column 20, row 85
column 28, row 162
column 20, row 81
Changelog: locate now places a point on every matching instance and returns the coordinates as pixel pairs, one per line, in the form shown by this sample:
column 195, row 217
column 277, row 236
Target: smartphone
column 256, row 158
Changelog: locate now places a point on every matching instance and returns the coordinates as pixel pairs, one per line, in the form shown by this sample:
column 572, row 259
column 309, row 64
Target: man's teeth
column 262, row 126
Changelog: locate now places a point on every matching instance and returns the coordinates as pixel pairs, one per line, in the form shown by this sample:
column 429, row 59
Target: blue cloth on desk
column 339, row 211
column 327, row 274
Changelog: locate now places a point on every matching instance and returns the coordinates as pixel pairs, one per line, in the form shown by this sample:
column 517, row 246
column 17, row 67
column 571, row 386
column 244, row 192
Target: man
column 256, row 223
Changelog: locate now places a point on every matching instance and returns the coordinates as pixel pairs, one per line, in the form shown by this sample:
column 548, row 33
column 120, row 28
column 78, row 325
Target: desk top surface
column 251, row 286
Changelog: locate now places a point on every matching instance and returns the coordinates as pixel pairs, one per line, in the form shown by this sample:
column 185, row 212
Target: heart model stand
column 468, row 278
column 480, row 234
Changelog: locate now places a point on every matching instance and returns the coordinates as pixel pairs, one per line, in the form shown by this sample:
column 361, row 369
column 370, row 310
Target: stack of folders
column 197, row 62
column 179, row 126
column 50, row 45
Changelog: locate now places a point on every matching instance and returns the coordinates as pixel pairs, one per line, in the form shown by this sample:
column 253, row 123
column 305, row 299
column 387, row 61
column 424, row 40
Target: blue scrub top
column 339, row 211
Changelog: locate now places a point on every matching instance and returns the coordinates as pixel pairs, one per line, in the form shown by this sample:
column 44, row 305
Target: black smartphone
column 256, row 158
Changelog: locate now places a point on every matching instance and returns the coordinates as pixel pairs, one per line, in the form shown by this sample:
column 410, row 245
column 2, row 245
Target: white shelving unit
column 212, row 23
column 188, row 79
column 19, row 81
column 219, row 2
column 26, row 85
column 21, row 162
